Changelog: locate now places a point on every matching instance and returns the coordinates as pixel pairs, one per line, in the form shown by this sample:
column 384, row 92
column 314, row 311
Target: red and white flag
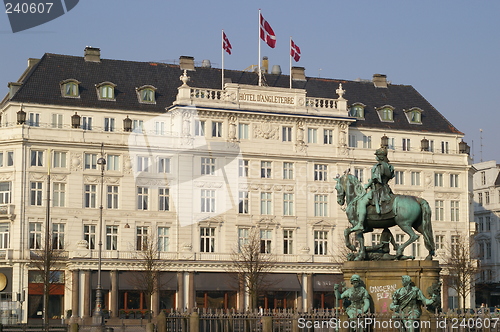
column 226, row 45
column 267, row 33
column 294, row 51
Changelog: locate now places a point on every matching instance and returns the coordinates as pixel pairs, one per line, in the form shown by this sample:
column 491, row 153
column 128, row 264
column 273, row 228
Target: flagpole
column 290, row 51
column 222, row 50
column 258, row 62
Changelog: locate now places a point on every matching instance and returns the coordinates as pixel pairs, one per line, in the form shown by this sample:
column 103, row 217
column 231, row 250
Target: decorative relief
column 300, row 144
column 343, row 138
column 112, row 180
column 151, row 182
column 127, row 165
column 38, row 176
column 6, row 176
column 266, row 130
column 232, row 128
column 59, row 177
column 204, row 184
column 91, row 179
column 76, row 161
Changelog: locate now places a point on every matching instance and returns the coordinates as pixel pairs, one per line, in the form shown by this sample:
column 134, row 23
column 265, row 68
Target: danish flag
column 226, row 45
column 267, row 33
column 294, row 51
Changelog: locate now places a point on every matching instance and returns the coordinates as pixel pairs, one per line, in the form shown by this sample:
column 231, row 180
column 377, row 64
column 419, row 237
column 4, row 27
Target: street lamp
column 97, row 318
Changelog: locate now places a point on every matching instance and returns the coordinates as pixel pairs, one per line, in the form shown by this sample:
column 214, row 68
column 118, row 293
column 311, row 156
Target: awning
column 281, row 282
column 215, row 281
column 325, row 282
column 132, row 280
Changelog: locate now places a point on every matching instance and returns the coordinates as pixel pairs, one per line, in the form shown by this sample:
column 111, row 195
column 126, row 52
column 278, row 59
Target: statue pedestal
column 382, row 278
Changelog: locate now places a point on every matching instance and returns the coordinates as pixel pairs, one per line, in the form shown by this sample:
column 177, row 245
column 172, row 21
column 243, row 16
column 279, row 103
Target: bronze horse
column 408, row 212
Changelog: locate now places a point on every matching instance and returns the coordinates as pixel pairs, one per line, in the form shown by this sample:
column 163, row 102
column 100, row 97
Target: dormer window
column 70, row 88
column 146, row 94
column 106, row 91
column 357, row 111
column 386, row 113
column 414, row 115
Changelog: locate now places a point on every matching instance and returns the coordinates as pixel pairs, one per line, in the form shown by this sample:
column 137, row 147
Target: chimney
column 92, row 54
column 276, row 70
column 13, row 88
column 186, row 63
column 298, row 74
column 265, row 65
column 380, row 80
column 32, row 62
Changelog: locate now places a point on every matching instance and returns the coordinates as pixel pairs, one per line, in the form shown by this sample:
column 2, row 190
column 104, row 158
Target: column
column 113, row 300
column 309, row 293
column 87, row 292
column 75, row 292
column 300, row 295
column 155, row 298
column 180, row 291
column 191, row 301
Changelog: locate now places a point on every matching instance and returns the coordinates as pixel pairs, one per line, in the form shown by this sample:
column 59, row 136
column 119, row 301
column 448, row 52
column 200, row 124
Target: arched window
column 106, row 91
column 386, row 113
column 414, row 115
column 357, row 111
column 146, row 94
column 70, row 88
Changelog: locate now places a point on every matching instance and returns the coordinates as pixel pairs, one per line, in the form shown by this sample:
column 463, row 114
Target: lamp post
column 97, row 318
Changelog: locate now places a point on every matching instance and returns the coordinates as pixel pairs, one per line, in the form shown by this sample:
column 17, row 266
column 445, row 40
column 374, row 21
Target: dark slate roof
column 42, row 86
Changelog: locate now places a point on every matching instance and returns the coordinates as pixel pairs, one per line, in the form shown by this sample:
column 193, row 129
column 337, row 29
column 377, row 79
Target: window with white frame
column 59, row 195
column 163, row 165
column 90, row 161
column 138, row 126
column 445, row 147
column 487, row 224
column 207, row 166
column 10, row 158
column 286, row 134
column 36, row 193
column 141, row 238
column 312, row 135
column 439, row 210
column 59, row 159
column 4, row 235
column 487, row 198
column 89, row 235
column 5, row 192
column 406, row 144
column 243, row 167
column 86, row 123
column 57, row 120
column 207, row 200
column 266, row 203
column 57, row 236
column 438, row 179
column 358, row 172
column 207, row 239
column 415, row 249
column 142, row 198
column 327, row 136
column 288, row 204
column 431, row 145
column 320, row 172
column 483, row 177
column 90, row 196
column 163, row 238
column 288, row 241
column 480, row 224
column 243, row 131
column 265, row 169
column 113, row 162
column 321, row 242
column 199, row 127
column 287, row 170
column 36, row 158
column 321, row 205
column 265, row 241
column 109, row 124
column 439, row 241
column 376, row 238
column 163, row 199
column 35, row 235
column 159, row 128
column 455, row 210
column 111, row 237
column 367, row 142
column 216, row 129
column 143, row 164
column 415, row 178
column 243, row 203
column 243, row 237
column 399, row 177
column 480, row 199
column 455, row 243
column 353, row 141
column 112, row 197
column 400, row 239
column 34, row 119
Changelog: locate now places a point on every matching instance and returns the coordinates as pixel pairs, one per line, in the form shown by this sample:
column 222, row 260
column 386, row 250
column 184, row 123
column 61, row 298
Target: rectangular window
column 1, row 159
column 243, row 167
column 444, row 147
column 90, row 196
column 438, row 179
column 89, row 236
column 159, row 128
column 59, row 159
column 320, row 205
column 90, row 161
column 415, row 249
column 163, row 238
column 439, row 241
column 266, row 203
column 367, row 142
column 199, row 128
column 143, row 164
column 109, row 124
column 5, row 192
column 399, row 177
column 400, row 239
column 486, row 198
column 286, row 134
column 112, row 197
column 208, row 166
column 287, row 171
column 455, row 243
column 288, row 242
column 35, row 235
column 320, row 172
column 288, row 204
column 86, row 123
column 483, row 177
column 216, row 129
column 59, row 193
column 142, row 198
column 415, row 178
column 57, row 120
column 10, row 158
column 207, row 239
column 57, row 236
column 431, row 145
column 163, row 199
column 487, row 224
column 480, row 199
column 36, row 193
column 358, row 172
column 320, row 242
column 480, row 224
column 207, row 200
column 141, row 239
column 439, row 211
column 111, row 237
column 406, row 144
column 376, row 239
column 36, row 158
column 113, row 163
column 327, row 136
column 488, row 250
column 265, row 241
column 4, row 235
column 138, row 126
column 243, row 202
column 265, row 169
column 163, row 165
column 353, row 141
column 34, row 119
column 243, row 131
column 312, row 135
column 455, row 210
column 243, row 237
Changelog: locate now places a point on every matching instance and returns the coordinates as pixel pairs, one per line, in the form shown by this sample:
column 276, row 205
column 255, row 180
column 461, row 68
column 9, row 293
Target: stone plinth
column 382, row 278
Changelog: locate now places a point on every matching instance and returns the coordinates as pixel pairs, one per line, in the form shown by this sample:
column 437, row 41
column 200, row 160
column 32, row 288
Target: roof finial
column 184, row 78
column 340, row 92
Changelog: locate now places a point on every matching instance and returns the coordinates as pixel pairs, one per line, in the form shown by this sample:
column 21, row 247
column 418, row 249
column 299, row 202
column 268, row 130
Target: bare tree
column 252, row 264
column 461, row 261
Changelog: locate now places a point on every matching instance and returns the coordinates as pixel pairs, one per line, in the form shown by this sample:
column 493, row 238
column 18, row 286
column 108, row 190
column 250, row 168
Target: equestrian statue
column 376, row 206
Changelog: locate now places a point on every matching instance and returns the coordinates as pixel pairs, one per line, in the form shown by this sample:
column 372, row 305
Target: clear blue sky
column 448, row 50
